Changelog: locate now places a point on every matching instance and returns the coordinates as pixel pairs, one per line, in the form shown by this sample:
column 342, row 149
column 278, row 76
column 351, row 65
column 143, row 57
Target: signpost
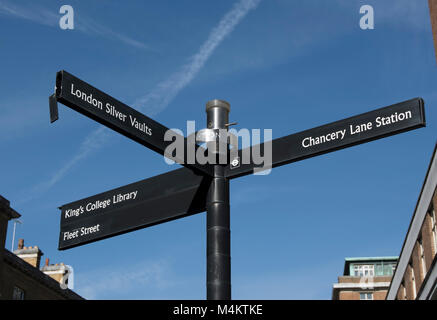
column 197, row 188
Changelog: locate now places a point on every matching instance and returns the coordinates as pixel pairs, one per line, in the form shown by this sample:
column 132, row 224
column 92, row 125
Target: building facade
column 365, row 278
column 416, row 274
column 20, row 274
column 433, row 13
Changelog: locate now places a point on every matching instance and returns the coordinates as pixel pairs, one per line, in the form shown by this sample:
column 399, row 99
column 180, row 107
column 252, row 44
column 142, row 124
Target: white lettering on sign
column 140, row 126
column 100, row 204
column 89, row 230
column 86, row 97
column 310, row 141
column 123, row 197
column 70, row 235
column 111, row 110
column 73, row 212
column 383, row 121
column 357, row 129
column 115, row 113
column 360, row 128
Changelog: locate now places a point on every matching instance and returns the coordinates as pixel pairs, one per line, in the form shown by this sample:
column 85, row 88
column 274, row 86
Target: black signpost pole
column 218, row 247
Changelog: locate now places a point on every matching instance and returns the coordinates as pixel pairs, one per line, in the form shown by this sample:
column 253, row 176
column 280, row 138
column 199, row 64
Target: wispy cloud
column 404, row 14
column 104, row 284
column 89, row 26
column 49, row 18
column 164, row 92
column 159, row 97
column 160, row 279
column 31, row 13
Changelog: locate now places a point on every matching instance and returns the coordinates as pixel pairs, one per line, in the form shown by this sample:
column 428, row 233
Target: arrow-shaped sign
column 377, row 124
column 159, row 199
column 114, row 114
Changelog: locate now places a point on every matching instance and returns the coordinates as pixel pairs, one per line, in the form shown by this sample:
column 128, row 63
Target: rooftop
column 365, row 259
column 39, row 276
column 369, row 260
column 5, row 205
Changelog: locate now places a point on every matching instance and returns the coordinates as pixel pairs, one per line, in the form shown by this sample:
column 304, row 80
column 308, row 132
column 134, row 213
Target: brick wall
column 352, row 279
column 409, row 283
column 355, row 295
column 415, row 257
column 3, row 229
column 427, row 241
column 33, row 289
column 400, row 295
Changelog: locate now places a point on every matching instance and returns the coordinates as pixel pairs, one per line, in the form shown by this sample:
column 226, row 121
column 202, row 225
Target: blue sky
column 283, row 65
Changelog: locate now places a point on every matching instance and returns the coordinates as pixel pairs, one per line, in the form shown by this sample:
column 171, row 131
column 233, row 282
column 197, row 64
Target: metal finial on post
column 218, row 256
column 217, row 114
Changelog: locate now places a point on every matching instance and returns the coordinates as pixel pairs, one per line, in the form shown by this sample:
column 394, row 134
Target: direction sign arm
column 114, row 114
column 145, row 203
column 373, row 125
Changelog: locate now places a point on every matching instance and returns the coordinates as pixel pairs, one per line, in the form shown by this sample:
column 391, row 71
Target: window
column 18, row 294
column 366, row 296
column 413, row 281
column 364, row 270
column 433, row 228
column 404, row 290
column 422, row 257
column 388, row 269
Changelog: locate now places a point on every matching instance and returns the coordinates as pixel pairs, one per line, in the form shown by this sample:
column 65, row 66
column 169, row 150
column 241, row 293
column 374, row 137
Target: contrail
column 40, row 15
column 51, row 19
column 163, row 93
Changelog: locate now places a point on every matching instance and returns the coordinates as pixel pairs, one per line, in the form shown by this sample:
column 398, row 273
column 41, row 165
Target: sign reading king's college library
column 166, row 197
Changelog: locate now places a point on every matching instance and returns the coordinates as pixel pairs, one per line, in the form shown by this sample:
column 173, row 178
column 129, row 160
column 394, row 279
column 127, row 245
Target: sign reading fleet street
column 114, row 114
column 341, row 134
column 148, row 202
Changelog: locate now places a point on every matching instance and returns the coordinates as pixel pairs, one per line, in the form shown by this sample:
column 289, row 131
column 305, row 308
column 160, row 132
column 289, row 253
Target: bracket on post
column 53, row 104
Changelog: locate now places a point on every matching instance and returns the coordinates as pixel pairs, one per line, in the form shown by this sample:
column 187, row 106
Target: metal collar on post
column 217, row 113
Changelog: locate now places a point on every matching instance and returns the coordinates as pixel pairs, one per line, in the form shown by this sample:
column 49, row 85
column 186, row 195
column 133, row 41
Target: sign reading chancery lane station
column 148, row 202
column 377, row 124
